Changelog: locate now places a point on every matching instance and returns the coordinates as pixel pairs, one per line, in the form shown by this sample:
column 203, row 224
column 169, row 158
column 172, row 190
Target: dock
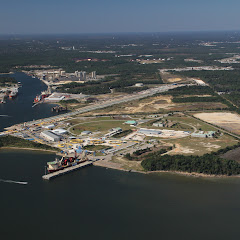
column 66, row 170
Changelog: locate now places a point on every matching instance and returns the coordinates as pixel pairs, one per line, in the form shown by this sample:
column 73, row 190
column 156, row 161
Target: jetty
column 66, row 170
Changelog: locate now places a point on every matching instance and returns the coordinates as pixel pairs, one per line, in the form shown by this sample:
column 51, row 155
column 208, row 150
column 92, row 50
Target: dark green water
column 98, row 203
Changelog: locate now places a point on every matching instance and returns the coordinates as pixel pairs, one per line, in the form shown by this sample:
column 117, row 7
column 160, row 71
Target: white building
column 59, row 131
column 149, row 132
column 50, row 136
column 51, row 126
column 158, row 124
column 94, row 76
column 113, row 132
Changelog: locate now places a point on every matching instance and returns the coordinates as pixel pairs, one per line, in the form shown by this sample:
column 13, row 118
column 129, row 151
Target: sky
column 114, row 16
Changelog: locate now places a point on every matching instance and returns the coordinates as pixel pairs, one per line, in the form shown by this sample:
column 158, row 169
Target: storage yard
column 97, row 136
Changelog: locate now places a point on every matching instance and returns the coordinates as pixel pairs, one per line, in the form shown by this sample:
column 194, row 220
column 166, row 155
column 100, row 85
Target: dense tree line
column 196, row 99
column 131, row 89
column 135, row 155
column 225, row 81
column 190, row 90
column 123, row 133
column 10, row 141
column 5, row 80
column 208, row 163
column 100, row 87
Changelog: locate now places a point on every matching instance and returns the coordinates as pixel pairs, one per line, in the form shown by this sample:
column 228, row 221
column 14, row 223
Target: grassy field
column 128, row 165
column 100, row 125
column 80, row 119
column 183, row 123
column 194, row 122
column 200, row 146
column 95, row 147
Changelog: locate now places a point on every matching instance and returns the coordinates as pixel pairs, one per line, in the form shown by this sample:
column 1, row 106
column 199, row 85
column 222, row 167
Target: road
column 137, row 96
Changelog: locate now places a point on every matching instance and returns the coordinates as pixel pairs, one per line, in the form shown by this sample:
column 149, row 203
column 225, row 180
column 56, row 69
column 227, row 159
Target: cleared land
column 161, row 103
column 173, row 78
column 226, row 120
column 232, row 155
column 200, row 146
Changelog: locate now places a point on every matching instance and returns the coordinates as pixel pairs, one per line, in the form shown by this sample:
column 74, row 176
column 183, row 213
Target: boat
column 65, row 162
column 37, row 99
column 40, row 97
column 13, row 93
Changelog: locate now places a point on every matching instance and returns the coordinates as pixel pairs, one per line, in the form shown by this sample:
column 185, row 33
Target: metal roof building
column 50, row 136
column 86, row 132
column 149, row 132
column 59, row 131
column 132, row 122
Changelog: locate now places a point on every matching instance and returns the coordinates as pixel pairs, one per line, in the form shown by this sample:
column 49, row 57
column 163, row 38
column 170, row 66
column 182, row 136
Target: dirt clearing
column 227, row 120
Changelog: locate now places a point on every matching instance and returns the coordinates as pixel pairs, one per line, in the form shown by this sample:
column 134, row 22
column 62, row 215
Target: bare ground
column 227, row 120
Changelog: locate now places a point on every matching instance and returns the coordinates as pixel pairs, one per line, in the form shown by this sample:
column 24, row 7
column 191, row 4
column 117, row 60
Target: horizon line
column 99, row 33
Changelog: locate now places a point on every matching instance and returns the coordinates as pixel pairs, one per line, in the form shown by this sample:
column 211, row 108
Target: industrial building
column 50, row 136
column 81, row 75
column 86, row 133
column 203, row 134
column 113, row 131
column 59, row 131
column 158, row 124
column 149, row 132
column 93, row 75
column 131, row 122
column 51, row 126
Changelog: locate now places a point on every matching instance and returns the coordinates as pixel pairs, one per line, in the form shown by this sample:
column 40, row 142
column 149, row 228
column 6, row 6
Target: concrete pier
column 66, row 170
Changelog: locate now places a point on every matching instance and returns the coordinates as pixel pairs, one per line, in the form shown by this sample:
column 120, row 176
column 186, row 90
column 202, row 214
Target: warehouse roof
column 51, row 134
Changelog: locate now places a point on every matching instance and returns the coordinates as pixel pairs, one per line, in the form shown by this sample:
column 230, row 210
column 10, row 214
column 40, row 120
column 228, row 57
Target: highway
column 136, row 96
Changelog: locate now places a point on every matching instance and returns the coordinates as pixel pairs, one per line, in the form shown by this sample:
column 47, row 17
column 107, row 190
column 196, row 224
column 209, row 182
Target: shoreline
column 110, row 166
column 6, row 73
column 192, row 174
column 31, row 149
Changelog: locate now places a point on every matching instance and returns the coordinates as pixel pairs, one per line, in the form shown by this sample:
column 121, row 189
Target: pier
column 66, row 170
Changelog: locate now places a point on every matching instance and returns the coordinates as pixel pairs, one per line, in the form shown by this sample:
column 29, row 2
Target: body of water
column 99, row 203
column 20, row 109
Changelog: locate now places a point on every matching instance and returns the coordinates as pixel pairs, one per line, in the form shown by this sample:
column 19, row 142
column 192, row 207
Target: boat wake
column 11, row 181
column 4, row 116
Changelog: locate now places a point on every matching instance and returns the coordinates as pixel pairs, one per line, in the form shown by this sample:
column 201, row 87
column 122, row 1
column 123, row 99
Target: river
column 20, row 109
column 99, row 203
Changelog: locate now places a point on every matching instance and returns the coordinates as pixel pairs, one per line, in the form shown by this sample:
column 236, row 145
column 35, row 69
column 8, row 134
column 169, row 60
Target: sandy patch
column 181, row 150
column 159, row 102
column 174, row 80
column 210, row 146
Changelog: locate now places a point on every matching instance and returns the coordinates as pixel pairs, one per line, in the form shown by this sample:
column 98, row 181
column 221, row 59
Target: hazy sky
column 105, row 16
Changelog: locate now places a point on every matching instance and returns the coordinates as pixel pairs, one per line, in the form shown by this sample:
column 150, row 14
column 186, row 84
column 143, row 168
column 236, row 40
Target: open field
column 160, row 103
column 232, row 155
column 120, row 163
column 99, row 125
column 173, row 78
column 200, row 146
column 198, row 106
column 183, row 122
column 87, row 119
column 226, row 120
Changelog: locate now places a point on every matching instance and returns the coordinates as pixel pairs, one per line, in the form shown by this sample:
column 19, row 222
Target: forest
column 208, row 163
column 196, row 99
column 7, row 81
column 10, row 141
